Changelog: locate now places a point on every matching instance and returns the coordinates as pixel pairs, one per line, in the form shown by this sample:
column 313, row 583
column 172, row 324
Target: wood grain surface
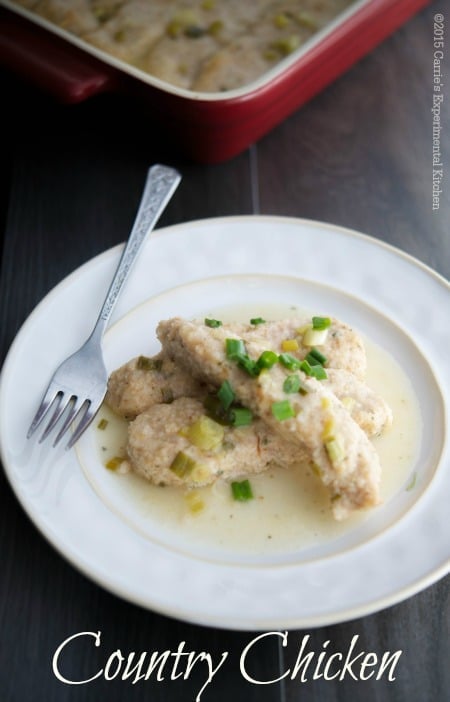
column 359, row 155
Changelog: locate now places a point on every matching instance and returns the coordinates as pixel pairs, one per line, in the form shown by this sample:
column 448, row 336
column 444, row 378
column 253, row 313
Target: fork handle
column 160, row 185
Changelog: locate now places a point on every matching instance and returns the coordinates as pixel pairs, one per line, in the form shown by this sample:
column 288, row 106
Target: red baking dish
column 208, row 127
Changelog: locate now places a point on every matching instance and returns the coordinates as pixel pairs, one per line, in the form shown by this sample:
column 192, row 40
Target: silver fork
column 78, row 386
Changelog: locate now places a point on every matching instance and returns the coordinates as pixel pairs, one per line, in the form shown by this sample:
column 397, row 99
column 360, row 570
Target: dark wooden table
column 358, row 155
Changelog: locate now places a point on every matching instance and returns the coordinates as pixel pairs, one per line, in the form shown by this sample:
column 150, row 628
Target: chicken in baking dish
column 199, row 45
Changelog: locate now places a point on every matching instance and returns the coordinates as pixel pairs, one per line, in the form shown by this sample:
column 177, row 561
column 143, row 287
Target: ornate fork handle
column 78, row 386
column 159, row 187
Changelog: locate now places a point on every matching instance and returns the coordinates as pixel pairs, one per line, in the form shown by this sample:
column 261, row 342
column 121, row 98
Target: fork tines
column 66, row 406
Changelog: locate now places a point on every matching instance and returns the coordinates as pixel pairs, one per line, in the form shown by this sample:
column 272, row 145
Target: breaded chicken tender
column 342, row 346
column 143, row 382
column 179, row 445
column 315, row 421
column 370, row 411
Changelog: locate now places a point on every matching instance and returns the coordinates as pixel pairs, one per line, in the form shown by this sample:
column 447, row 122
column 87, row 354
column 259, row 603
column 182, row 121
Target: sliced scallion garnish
column 291, row 384
column 194, row 502
column 246, row 363
column 335, row 450
column 305, row 366
column 315, row 337
column 234, row 348
column 282, row 410
column 241, row 416
column 114, row 463
column 226, row 395
column 316, row 371
column 242, row 491
column 320, row 323
column 314, row 357
column 213, row 323
column 234, row 415
column 204, row 433
column 215, row 410
column 267, row 359
column 257, row 320
column 182, row 464
column 289, row 361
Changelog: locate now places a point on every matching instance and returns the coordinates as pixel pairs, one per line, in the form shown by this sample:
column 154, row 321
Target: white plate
column 190, row 269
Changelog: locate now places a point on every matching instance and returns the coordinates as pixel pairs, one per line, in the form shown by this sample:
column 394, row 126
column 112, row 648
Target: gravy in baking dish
column 291, row 507
column 200, row 45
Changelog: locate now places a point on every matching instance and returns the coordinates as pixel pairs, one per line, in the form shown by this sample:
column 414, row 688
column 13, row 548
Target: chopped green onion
column 103, row 423
column 213, row 323
column 204, row 433
column 194, row 501
column 246, row 363
column 289, row 361
column 114, row 463
column 149, row 364
column 319, row 372
column 305, row 366
column 291, row 384
column 182, row 464
column 232, row 416
column 226, row 395
column 315, row 337
column 321, row 323
column 241, row 416
column 282, row 410
column 236, row 351
column 316, row 371
column 257, row 320
column 215, row 410
column 267, row 359
column 314, row 357
column 335, row 450
column 234, row 348
column 242, row 492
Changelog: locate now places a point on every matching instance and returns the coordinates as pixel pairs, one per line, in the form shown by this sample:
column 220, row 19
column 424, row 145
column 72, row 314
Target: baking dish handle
column 49, row 62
